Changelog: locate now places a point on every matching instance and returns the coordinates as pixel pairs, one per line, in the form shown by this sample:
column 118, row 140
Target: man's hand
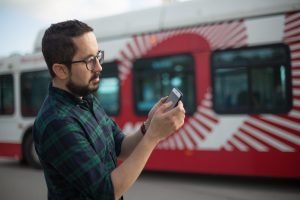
column 153, row 110
column 163, row 123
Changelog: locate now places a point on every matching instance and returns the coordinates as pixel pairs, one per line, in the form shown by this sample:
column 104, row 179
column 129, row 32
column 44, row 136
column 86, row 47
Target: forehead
column 86, row 45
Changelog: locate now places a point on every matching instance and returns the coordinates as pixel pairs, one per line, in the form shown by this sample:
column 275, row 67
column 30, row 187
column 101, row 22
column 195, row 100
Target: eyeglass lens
column 93, row 62
column 100, row 57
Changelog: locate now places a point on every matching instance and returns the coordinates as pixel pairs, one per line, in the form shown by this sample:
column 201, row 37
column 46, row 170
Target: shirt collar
column 66, row 96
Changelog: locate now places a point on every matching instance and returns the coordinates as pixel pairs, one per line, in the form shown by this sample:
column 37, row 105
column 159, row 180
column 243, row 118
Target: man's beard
column 82, row 90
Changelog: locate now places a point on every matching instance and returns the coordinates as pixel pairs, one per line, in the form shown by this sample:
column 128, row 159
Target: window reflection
column 34, row 87
column 255, row 80
column 109, row 88
column 155, row 78
column 6, row 95
column 269, row 88
column 231, row 86
column 108, row 94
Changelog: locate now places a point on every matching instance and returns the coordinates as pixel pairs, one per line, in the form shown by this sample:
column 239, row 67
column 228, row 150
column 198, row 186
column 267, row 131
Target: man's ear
column 60, row 71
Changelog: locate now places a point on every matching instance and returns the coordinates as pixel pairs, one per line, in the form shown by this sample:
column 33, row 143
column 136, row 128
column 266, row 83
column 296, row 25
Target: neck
column 61, row 85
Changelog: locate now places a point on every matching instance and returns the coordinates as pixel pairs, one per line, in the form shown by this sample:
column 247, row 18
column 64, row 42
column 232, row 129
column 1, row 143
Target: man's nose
column 98, row 66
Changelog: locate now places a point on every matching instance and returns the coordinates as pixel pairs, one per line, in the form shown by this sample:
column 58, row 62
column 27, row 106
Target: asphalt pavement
column 23, row 183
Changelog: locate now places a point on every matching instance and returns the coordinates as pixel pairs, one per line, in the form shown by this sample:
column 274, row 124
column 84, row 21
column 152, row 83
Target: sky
column 20, row 20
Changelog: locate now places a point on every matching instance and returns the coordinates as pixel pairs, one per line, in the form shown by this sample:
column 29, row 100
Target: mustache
column 95, row 75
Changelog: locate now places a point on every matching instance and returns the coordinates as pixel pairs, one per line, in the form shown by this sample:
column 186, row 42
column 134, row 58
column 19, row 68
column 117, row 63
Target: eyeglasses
column 91, row 62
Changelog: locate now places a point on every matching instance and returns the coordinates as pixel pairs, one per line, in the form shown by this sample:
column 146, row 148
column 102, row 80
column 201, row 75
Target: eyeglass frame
column 99, row 57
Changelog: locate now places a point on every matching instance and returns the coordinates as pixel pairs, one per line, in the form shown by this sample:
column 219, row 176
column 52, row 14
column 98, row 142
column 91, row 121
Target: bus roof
column 181, row 14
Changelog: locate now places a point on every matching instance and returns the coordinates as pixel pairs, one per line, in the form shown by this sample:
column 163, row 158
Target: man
column 77, row 143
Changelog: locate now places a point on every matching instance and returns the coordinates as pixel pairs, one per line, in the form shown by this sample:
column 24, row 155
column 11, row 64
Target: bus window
column 155, row 78
column 6, row 94
column 109, row 89
column 252, row 80
column 34, row 87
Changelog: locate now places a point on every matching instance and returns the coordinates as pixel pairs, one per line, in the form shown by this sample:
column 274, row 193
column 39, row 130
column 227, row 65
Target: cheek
column 81, row 77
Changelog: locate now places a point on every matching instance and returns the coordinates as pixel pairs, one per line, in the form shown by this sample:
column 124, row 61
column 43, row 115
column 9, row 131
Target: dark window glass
column 6, row 94
column 109, row 89
column 252, row 80
column 155, row 78
column 34, row 87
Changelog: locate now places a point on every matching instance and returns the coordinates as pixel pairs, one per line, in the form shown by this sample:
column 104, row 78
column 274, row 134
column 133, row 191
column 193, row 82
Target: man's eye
column 91, row 59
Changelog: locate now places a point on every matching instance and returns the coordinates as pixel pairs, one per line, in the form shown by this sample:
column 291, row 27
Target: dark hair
column 57, row 44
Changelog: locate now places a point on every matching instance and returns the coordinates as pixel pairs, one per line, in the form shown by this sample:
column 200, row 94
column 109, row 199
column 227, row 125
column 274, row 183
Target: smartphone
column 175, row 96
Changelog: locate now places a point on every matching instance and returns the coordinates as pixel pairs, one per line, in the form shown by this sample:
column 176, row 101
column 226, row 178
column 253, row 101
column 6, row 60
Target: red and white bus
column 237, row 64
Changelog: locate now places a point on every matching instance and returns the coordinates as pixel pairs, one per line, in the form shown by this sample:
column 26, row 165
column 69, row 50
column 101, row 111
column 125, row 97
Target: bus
column 236, row 63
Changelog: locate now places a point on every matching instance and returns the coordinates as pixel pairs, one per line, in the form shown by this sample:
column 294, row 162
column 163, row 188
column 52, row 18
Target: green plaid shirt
column 78, row 145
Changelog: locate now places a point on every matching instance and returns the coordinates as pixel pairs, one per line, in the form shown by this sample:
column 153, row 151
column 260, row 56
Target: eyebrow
column 87, row 57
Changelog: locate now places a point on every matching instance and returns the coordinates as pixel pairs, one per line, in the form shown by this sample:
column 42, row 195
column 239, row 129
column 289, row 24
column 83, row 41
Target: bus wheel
column 30, row 153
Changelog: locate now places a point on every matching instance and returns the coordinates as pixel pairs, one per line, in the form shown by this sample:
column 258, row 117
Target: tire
column 31, row 156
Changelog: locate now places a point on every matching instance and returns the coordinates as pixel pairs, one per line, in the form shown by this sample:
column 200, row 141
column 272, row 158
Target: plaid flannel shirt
column 78, row 145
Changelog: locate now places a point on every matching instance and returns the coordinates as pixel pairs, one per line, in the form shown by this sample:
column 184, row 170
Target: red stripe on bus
column 296, row 97
column 274, row 137
column 287, row 30
column 250, row 134
column 291, row 118
column 288, row 19
column 297, row 108
column 295, row 51
column 281, row 126
column 296, row 76
column 138, row 45
column 295, row 59
column 275, row 164
column 10, row 150
column 292, row 43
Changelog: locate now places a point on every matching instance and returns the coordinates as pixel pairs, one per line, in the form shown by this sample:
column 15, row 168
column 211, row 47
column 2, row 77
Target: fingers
column 154, row 108
column 160, row 102
column 166, row 106
column 178, row 108
column 163, row 99
column 178, row 112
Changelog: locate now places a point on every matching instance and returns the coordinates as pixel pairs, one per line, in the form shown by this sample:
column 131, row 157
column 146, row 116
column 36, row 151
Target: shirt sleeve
column 67, row 150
